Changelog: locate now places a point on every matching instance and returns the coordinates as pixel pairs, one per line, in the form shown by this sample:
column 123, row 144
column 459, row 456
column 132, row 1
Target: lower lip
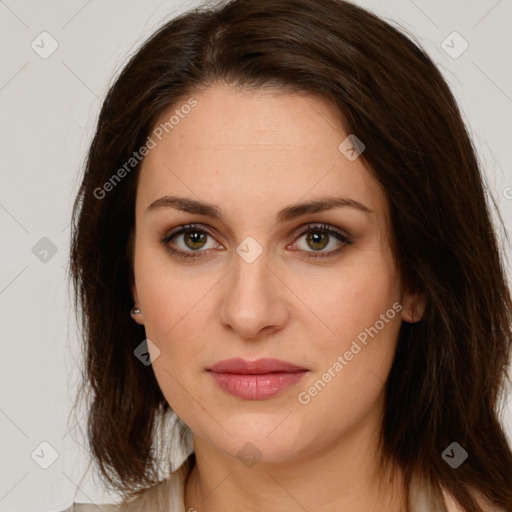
column 256, row 387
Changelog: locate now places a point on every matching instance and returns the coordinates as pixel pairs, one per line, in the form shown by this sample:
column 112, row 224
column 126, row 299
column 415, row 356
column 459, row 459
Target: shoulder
column 485, row 504
column 92, row 507
column 426, row 497
column 165, row 496
column 157, row 498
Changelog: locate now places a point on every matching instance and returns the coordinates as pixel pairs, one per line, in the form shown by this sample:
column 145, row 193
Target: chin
column 268, row 441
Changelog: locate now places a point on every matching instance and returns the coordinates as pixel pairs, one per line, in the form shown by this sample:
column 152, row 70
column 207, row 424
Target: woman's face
column 259, row 283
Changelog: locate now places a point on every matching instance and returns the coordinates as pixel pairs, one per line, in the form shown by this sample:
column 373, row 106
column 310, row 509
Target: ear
column 413, row 306
column 137, row 317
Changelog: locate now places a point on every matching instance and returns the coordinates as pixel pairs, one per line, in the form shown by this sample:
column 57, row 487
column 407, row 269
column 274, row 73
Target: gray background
column 48, row 109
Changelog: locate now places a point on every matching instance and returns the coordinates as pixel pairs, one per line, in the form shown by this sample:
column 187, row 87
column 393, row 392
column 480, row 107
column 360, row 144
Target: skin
column 252, row 154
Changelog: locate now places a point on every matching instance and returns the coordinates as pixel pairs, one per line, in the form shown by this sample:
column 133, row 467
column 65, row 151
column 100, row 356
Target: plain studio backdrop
column 50, row 95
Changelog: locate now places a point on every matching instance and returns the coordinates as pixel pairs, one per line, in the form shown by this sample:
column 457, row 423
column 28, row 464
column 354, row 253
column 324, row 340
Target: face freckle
column 254, row 154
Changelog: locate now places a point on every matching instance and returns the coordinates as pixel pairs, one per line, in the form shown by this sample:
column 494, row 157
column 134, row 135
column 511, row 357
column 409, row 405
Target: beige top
column 169, row 496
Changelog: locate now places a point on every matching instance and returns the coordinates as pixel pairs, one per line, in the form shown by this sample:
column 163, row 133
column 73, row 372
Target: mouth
column 255, row 380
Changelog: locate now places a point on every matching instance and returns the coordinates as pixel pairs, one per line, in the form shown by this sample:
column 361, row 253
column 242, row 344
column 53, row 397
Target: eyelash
column 318, row 228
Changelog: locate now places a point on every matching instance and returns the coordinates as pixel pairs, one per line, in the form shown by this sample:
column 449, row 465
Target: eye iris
column 195, row 237
column 313, row 238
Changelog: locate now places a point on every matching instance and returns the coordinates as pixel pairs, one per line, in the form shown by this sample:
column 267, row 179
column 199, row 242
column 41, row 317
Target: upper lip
column 259, row 366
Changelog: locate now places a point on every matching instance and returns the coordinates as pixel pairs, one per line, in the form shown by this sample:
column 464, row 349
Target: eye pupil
column 314, row 238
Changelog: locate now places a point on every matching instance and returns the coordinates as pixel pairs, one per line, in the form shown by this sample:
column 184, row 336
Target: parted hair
column 450, row 372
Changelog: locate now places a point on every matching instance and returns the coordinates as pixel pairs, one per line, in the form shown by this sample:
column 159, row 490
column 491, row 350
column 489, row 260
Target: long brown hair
column 448, row 378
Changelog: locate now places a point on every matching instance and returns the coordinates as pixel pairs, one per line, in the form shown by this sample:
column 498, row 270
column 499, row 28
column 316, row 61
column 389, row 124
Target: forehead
column 246, row 147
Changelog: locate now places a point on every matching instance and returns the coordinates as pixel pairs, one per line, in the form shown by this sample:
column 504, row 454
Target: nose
column 255, row 299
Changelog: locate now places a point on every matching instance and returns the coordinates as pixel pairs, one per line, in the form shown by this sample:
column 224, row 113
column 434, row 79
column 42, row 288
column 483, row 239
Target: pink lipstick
column 255, row 380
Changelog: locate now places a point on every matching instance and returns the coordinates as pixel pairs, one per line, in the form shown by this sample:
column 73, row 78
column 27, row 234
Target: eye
column 194, row 240
column 320, row 236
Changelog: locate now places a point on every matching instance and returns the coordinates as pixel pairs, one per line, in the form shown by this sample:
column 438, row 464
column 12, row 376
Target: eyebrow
column 291, row 212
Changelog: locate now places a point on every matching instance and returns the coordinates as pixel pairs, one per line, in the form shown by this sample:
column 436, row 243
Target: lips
column 255, row 380
column 258, row 367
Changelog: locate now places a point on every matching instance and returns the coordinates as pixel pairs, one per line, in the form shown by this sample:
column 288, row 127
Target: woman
column 282, row 243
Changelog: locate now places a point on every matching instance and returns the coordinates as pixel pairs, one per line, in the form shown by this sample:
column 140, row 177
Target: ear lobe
column 414, row 306
column 137, row 317
column 136, row 312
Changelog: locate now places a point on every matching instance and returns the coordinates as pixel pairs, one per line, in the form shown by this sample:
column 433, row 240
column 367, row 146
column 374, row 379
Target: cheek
column 359, row 308
column 171, row 323
column 349, row 383
column 175, row 319
column 351, row 297
column 170, row 297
